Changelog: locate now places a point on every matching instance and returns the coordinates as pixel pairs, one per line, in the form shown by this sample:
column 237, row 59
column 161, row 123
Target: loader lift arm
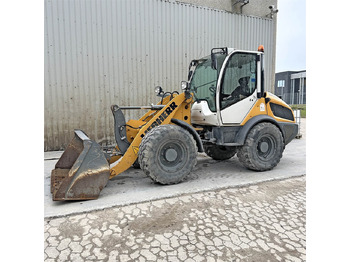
column 161, row 117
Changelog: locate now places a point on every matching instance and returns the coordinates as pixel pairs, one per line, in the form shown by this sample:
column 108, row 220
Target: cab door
column 237, row 91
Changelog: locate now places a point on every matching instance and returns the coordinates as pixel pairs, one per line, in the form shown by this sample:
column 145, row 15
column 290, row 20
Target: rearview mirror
column 214, row 61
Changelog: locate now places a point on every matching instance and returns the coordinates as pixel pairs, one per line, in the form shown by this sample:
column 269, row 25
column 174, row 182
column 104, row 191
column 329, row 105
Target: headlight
column 184, row 85
column 158, row 90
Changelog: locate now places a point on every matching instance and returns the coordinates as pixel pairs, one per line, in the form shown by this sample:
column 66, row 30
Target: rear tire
column 263, row 147
column 167, row 154
column 219, row 152
column 136, row 164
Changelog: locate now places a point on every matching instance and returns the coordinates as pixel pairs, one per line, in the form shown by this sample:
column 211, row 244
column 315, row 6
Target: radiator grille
column 281, row 111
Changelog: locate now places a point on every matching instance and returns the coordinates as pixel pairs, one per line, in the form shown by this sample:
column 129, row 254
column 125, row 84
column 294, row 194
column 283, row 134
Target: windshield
column 204, row 79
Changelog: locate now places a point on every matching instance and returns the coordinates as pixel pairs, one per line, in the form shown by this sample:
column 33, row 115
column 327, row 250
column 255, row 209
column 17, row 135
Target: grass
column 302, row 109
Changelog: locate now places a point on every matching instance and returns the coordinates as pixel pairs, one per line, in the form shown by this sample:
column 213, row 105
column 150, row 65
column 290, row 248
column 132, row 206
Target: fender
column 288, row 130
column 192, row 131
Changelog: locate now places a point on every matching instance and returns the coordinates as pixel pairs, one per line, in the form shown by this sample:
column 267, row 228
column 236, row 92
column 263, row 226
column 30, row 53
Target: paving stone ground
column 262, row 222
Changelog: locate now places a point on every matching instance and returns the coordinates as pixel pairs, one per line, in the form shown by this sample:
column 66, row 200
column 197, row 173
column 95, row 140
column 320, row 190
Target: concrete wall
column 225, row 5
column 254, row 7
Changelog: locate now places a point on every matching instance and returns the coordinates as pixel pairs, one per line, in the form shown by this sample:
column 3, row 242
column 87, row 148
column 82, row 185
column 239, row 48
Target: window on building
column 280, row 83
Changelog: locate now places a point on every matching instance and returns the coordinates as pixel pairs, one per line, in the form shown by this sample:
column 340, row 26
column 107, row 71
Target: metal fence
column 298, row 121
column 294, row 98
column 104, row 52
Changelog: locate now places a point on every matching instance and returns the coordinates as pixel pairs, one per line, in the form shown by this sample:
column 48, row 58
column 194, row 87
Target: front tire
column 167, row 154
column 263, row 147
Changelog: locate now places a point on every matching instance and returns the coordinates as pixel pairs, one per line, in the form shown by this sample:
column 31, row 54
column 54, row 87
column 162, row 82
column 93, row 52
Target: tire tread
column 147, row 151
column 245, row 153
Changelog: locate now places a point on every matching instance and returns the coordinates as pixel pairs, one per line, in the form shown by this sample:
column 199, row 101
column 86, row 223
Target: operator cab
column 225, row 86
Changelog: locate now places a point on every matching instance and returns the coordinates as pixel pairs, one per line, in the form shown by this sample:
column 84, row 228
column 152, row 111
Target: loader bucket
column 81, row 172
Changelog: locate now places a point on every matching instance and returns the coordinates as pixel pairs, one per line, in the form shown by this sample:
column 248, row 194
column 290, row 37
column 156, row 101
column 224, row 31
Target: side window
column 239, row 80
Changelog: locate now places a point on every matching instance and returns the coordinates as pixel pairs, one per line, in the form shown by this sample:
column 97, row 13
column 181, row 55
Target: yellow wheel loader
column 223, row 110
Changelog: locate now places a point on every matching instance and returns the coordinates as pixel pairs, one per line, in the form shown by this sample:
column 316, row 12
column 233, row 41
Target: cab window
column 204, row 80
column 239, row 79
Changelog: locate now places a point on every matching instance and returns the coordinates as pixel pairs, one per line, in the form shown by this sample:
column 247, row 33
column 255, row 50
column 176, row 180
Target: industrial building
column 291, row 86
column 104, row 52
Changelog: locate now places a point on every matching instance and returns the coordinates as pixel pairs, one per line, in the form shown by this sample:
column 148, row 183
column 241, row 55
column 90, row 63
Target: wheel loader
column 223, row 110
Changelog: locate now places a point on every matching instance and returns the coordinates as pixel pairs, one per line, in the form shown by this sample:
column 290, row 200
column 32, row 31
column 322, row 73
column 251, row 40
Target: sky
column 291, row 33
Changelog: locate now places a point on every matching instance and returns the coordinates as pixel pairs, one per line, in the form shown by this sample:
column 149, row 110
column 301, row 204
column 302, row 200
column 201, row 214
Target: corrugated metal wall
column 104, row 52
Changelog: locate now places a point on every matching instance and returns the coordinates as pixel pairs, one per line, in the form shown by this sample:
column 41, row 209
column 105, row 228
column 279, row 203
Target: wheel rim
column 266, row 147
column 172, row 155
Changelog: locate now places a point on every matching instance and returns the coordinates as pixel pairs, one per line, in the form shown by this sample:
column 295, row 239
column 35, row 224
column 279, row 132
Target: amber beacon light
column 261, row 48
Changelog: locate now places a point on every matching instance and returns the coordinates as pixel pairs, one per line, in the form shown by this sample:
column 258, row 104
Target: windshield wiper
column 196, row 87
